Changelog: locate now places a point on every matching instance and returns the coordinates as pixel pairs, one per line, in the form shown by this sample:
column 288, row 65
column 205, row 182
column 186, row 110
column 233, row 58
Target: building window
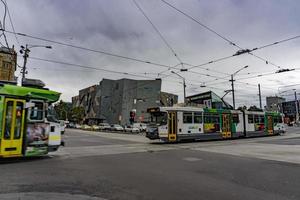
column 187, row 118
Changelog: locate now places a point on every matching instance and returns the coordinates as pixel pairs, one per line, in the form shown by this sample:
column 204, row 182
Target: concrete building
column 274, row 103
column 113, row 100
column 8, row 60
column 289, row 109
column 209, row 100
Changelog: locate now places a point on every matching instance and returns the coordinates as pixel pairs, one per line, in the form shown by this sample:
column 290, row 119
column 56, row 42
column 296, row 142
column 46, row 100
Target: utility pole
column 232, row 84
column 232, row 89
column 259, row 93
column 26, row 54
column 297, row 109
column 184, row 94
column 184, row 85
column 25, row 50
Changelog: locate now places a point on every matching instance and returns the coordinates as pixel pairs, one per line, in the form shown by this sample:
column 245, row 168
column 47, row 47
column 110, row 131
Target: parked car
column 95, row 128
column 116, row 127
column 141, row 126
column 131, row 129
column 78, row 126
column 86, row 127
column 71, row 125
column 104, row 126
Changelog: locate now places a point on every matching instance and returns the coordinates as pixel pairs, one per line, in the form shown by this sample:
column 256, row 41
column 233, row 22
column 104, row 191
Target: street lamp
column 232, row 84
column 184, row 85
column 25, row 50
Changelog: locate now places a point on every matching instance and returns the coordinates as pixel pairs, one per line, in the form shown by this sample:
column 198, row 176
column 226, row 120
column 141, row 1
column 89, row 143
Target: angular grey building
column 112, row 100
column 274, row 103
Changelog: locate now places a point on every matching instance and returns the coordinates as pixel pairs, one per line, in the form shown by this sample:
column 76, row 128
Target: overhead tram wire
column 157, row 31
column 99, row 69
column 254, row 49
column 88, row 49
column 213, row 31
column 11, row 23
column 86, row 67
column 167, row 44
column 109, row 71
column 2, row 28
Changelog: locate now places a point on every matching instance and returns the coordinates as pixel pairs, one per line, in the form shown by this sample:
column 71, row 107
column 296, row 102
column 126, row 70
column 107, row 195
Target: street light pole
column 184, row 86
column 26, row 54
column 232, row 84
column 297, row 109
column 232, row 89
column 26, row 51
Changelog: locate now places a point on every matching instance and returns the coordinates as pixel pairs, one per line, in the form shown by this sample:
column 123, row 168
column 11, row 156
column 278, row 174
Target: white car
column 131, row 129
column 116, row 127
column 104, row 126
column 140, row 126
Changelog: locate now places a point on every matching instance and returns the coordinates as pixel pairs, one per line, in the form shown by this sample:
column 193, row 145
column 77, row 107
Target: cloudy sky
column 119, row 27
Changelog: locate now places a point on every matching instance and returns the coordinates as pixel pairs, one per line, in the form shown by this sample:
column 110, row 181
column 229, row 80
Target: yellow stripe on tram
column 54, row 137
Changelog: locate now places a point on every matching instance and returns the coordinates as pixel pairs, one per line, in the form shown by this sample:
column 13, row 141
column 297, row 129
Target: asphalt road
column 117, row 166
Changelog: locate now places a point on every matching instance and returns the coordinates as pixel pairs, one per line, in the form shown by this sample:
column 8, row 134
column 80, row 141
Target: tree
column 63, row 110
column 77, row 114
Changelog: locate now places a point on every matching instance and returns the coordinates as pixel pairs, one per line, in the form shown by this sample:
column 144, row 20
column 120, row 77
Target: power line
column 91, row 50
column 157, row 31
column 216, row 33
column 276, row 43
column 3, row 24
column 11, row 23
column 201, row 24
column 86, row 67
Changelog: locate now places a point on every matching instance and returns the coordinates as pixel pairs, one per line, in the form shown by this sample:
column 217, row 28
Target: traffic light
column 132, row 116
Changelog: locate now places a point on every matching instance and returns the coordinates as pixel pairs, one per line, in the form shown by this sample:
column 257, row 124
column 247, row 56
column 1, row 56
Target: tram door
column 12, row 128
column 270, row 124
column 226, row 128
column 172, row 126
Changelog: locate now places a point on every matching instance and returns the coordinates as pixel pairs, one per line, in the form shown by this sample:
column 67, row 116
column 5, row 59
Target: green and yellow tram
column 24, row 130
column 173, row 124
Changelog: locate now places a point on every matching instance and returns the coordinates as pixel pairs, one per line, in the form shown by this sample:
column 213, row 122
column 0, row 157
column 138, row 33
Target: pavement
column 99, row 165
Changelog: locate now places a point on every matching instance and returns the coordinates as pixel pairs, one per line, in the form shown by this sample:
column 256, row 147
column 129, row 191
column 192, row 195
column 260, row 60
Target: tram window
column 250, row 119
column 211, row 118
column 275, row 120
column 198, row 118
column 235, row 118
column 261, row 119
column 256, row 119
column 37, row 112
column 8, row 119
column 19, row 116
column 280, row 120
column 187, row 118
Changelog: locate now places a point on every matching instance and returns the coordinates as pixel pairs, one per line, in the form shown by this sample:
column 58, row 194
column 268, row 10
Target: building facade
column 289, row 109
column 112, row 101
column 209, row 100
column 8, row 60
column 274, row 103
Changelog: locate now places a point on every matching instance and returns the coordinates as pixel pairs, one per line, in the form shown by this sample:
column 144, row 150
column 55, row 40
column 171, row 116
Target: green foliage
column 65, row 111
column 77, row 114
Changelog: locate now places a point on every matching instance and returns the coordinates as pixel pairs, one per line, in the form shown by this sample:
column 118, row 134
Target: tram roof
column 33, row 93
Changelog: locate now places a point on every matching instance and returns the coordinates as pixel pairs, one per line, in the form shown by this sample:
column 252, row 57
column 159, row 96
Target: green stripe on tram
column 32, row 93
